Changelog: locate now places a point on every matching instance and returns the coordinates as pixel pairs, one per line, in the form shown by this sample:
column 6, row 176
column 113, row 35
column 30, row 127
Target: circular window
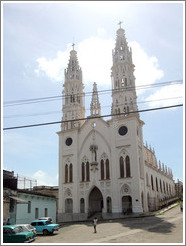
column 68, row 141
column 123, row 130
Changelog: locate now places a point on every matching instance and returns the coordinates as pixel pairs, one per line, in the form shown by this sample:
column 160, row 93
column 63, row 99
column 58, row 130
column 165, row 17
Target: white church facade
column 104, row 167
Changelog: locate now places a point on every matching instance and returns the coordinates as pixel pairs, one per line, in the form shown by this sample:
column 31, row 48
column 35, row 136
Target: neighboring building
column 10, row 199
column 38, row 205
column 104, row 166
column 47, row 190
column 24, row 206
column 179, row 189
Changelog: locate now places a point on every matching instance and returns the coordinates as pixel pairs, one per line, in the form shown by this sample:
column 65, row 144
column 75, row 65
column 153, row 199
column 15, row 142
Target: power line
column 55, row 112
column 53, row 98
column 95, row 117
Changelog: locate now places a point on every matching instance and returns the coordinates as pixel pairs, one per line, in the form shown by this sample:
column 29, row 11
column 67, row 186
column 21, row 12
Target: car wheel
column 45, row 232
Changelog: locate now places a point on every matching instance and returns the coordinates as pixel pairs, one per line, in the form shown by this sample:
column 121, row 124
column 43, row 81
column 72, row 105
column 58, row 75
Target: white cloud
column 163, row 96
column 147, row 70
column 45, row 179
column 53, row 68
column 95, row 59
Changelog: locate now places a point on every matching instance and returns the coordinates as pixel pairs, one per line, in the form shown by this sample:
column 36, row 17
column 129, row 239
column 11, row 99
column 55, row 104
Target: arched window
column 83, row 171
column 71, row 173
column 125, row 81
column 109, row 205
column 127, row 160
column 164, row 187
column 82, row 205
column 87, row 171
column 121, row 167
column 66, row 173
column 156, row 184
column 152, row 184
column 102, row 169
column 160, row 186
column 68, row 205
column 107, row 169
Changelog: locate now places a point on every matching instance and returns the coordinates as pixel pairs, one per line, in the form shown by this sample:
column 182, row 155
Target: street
column 162, row 228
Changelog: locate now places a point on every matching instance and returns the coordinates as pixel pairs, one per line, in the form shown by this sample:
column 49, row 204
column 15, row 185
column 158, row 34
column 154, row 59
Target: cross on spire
column 73, row 45
column 120, row 23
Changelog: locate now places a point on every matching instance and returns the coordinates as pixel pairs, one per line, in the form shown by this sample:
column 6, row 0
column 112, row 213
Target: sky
column 36, row 40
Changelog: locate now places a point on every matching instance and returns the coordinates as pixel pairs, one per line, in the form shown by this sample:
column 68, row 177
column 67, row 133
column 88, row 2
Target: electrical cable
column 53, row 98
column 56, row 112
column 94, row 117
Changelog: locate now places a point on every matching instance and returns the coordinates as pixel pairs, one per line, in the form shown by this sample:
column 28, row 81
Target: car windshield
column 17, row 230
column 30, row 227
column 25, row 228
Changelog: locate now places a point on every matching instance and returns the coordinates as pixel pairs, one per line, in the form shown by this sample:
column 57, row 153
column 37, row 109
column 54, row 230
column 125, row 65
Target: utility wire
column 56, row 112
column 94, row 117
column 52, row 98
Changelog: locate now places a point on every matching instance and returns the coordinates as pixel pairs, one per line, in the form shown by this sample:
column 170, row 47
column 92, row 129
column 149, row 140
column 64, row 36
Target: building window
column 71, row 173
column 127, row 160
column 88, row 171
column 68, row 205
column 164, row 187
column 160, row 186
column 83, row 171
column 46, row 212
column 121, row 167
column 29, row 206
column 152, row 184
column 102, row 169
column 11, row 207
column 66, row 173
column 36, row 213
column 82, row 205
column 107, row 170
column 156, row 184
column 109, row 205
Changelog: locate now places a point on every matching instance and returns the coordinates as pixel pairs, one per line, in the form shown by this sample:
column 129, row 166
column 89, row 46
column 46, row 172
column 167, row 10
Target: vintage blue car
column 15, row 234
column 45, row 226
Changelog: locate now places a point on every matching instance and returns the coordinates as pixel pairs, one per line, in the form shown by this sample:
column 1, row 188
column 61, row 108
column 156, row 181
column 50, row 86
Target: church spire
column 123, row 80
column 73, row 103
column 95, row 108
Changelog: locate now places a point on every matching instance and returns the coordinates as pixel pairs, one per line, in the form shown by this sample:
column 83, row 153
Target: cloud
column 166, row 96
column 95, row 59
column 45, row 179
column 53, row 68
column 147, row 69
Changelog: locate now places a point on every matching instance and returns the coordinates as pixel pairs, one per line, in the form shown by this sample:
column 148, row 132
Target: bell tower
column 73, row 95
column 123, row 80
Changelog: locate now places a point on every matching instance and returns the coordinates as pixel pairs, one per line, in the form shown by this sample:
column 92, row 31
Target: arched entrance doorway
column 95, row 201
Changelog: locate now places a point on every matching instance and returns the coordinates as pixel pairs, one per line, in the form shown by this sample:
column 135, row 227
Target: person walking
column 181, row 207
column 95, row 221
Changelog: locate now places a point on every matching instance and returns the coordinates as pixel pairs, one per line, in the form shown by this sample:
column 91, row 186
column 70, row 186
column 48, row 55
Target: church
column 104, row 167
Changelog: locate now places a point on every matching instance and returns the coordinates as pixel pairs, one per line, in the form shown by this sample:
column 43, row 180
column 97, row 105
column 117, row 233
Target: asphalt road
column 163, row 228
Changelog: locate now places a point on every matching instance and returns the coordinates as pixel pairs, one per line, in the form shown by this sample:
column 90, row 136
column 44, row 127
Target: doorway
column 127, row 204
column 95, row 201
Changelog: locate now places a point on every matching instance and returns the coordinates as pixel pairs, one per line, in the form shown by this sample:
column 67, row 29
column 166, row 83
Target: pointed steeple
column 123, row 80
column 73, row 103
column 95, row 108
